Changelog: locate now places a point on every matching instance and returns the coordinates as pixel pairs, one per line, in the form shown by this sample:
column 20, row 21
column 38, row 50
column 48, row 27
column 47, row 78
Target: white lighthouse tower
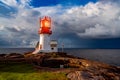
column 45, row 44
column 45, row 32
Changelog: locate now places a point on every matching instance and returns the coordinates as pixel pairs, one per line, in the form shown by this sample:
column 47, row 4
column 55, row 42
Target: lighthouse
column 45, row 32
column 45, row 44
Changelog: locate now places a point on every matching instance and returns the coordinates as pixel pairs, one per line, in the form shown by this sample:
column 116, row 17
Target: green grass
column 22, row 71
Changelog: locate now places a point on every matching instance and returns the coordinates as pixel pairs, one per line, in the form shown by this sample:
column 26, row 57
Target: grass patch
column 23, row 71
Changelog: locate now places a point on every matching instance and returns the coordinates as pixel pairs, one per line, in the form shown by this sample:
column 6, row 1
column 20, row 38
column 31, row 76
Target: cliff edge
column 75, row 68
column 79, row 68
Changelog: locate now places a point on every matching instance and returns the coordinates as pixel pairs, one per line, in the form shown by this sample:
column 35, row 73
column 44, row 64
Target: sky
column 75, row 23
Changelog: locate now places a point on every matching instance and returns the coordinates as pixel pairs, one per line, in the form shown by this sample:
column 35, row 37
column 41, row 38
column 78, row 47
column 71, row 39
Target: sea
column 110, row 56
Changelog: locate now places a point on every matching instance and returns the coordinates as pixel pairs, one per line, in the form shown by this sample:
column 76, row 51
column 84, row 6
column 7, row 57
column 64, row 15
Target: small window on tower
column 52, row 48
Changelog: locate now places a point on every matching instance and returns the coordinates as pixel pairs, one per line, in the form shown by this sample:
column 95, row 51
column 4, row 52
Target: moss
column 22, row 71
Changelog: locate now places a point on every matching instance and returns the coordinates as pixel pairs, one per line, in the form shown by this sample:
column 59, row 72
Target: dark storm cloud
column 13, row 29
column 35, row 13
column 83, row 26
column 92, row 21
column 112, row 43
column 4, row 43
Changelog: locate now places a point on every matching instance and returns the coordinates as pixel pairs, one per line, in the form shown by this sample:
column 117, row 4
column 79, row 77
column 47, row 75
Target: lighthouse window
column 52, row 48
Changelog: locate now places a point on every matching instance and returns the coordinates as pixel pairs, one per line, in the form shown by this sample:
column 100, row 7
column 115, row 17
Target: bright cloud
column 94, row 20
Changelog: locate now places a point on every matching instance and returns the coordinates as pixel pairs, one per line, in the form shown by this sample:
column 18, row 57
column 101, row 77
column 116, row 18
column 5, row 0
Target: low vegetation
column 23, row 71
column 50, row 67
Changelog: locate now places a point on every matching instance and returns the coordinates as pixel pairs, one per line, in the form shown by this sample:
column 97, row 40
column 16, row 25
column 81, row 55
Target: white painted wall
column 55, row 48
column 45, row 43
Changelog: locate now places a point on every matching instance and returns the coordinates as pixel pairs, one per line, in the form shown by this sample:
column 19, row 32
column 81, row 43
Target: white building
column 53, row 45
column 45, row 44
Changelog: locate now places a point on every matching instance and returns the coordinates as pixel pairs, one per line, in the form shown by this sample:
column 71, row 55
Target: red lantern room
column 45, row 25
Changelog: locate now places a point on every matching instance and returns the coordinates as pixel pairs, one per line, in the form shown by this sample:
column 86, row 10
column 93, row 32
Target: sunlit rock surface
column 79, row 68
column 83, row 69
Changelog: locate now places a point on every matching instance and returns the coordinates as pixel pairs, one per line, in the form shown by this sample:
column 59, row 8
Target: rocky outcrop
column 79, row 68
column 2, row 56
column 12, row 57
column 83, row 69
column 88, row 75
column 84, row 75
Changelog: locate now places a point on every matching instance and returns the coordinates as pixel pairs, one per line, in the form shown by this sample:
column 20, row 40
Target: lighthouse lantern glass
column 47, row 24
column 41, row 24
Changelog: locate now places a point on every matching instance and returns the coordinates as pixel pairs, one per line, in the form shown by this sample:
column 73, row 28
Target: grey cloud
column 12, row 29
column 83, row 21
column 94, row 21
column 35, row 13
